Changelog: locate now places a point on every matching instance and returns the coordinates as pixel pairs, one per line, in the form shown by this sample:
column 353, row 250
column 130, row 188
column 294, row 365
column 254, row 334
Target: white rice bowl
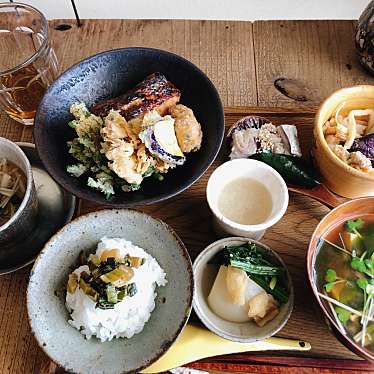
column 129, row 315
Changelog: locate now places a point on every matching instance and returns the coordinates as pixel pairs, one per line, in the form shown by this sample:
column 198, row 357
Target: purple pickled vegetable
column 366, row 146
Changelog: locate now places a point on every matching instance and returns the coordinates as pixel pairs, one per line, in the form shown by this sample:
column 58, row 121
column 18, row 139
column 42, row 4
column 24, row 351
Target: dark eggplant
column 366, row 146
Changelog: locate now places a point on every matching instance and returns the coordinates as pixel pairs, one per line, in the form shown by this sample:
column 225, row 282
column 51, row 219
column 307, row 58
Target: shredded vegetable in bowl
column 12, row 189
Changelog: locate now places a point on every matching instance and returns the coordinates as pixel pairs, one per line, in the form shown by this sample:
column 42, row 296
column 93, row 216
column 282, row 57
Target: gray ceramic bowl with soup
column 205, row 273
column 19, row 209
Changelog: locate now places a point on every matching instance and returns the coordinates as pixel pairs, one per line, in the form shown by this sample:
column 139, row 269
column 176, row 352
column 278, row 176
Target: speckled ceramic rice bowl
column 46, row 294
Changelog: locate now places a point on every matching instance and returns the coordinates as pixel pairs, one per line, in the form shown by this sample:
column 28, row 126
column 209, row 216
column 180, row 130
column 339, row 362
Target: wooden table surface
column 308, row 60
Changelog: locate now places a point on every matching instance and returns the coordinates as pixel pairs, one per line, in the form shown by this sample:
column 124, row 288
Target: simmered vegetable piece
column 119, row 276
column 263, row 308
column 72, row 283
column 236, row 283
column 248, row 286
column 248, row 258
column 110, row 253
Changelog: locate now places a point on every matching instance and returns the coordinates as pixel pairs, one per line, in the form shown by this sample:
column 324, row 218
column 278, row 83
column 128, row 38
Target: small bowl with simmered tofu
column 243, row 290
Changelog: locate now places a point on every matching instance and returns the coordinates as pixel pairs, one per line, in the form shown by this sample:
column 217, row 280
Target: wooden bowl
column 338, row 176
column 351, row 209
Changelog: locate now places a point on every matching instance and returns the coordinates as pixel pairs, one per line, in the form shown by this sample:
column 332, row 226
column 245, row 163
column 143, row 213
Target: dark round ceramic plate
column 108, row 75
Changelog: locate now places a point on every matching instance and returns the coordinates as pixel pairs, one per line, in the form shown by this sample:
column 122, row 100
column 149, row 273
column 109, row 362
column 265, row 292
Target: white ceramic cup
column 258, row 171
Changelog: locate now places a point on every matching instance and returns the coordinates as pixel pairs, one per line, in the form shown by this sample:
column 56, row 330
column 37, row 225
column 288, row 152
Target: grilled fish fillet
column 154, row 92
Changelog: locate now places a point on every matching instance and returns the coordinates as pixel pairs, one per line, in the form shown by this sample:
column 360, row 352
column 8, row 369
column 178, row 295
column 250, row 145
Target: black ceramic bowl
column 107, row 75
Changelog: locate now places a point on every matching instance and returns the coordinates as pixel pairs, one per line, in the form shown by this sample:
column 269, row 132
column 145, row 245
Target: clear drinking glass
column 28, row 65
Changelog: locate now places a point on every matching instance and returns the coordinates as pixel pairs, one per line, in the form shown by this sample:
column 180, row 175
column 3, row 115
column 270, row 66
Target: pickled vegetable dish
column 109, row 279
column 248, row 286
column 112, row 293
column 345, row 277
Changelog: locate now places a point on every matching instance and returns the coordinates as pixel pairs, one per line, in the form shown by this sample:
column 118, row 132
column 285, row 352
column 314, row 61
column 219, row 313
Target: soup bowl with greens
column 340, row 265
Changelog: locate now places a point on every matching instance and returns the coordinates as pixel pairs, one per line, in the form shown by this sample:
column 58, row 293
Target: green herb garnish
column 330, row 275
column 342, row 314
column 358, row 264
column 353, row 225
column 329, row 286
column 362, row 283
column 331, row 278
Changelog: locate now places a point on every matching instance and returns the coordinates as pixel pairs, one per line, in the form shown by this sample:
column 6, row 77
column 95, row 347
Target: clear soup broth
column 345, row 273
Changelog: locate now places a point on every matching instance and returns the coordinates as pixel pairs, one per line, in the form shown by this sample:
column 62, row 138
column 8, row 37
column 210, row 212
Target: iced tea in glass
column 28, row 64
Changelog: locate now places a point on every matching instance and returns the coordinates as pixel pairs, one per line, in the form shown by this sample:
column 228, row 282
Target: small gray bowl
column 48, row 316
column 205, row 274
column 24, row 220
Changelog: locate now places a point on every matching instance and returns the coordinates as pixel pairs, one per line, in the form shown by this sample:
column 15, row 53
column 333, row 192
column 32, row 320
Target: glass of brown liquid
column 28, row 65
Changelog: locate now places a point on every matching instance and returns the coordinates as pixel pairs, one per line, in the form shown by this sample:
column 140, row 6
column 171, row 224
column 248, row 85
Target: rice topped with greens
column 113, row 294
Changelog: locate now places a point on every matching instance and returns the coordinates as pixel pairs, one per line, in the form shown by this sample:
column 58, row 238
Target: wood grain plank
column 287, row 362
column 9, row 128
column 318, row 54
column 271, row 369
column 223, row 50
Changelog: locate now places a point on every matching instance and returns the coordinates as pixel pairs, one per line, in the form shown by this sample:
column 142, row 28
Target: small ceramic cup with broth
column 23, row 219
column 246, row 198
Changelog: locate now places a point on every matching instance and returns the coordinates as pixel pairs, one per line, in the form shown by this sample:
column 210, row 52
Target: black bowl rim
column 151, row 200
